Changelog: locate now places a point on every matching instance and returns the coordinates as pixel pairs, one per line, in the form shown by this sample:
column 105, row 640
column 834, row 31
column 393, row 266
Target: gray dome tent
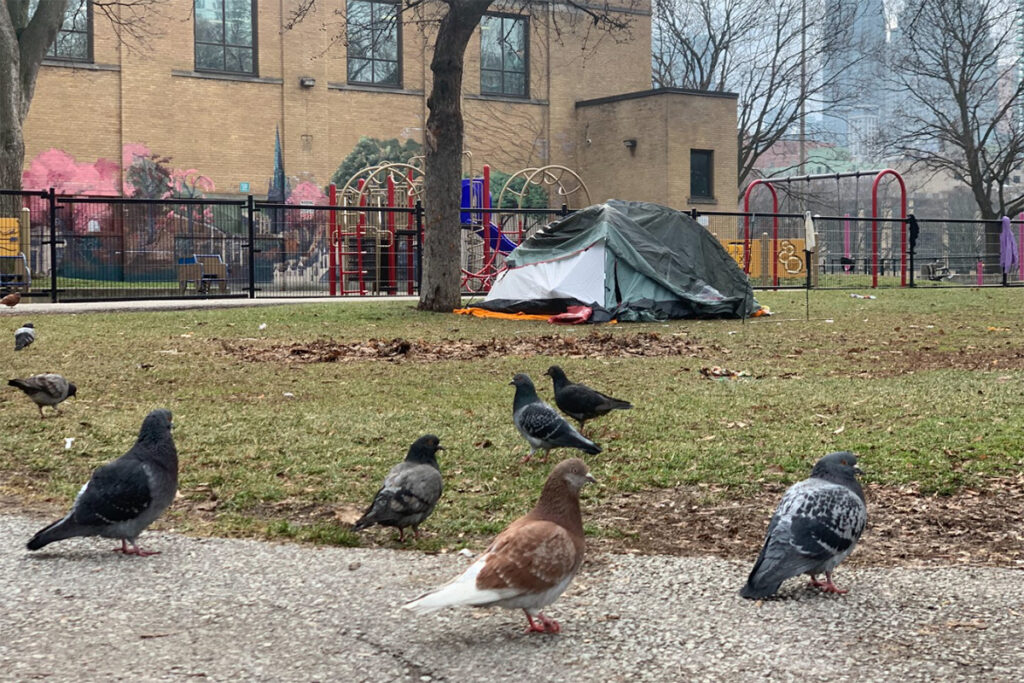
column 626, row 260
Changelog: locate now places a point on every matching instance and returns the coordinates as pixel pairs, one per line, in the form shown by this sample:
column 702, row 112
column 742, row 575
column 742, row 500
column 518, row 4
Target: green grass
column 265, row 465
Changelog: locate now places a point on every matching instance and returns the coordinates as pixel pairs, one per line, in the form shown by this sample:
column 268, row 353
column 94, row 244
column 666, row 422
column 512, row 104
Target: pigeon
column 45, row 390
column 579, row 401
column 24, row 335
column 410, row 491
column 531, row 562
column 11, row 299
column 125, row 496
column 814, row 528
column 541, row 425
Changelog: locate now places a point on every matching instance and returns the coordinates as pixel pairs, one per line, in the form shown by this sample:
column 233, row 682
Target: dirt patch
column 904, row 528
column 595, row 345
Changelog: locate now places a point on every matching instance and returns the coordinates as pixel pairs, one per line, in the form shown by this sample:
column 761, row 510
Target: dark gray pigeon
column 410, row 491
column 24, row 335
column 815, row 527
column 125, row 496
column 579, row 401
column 541, row 425
column 45, row 390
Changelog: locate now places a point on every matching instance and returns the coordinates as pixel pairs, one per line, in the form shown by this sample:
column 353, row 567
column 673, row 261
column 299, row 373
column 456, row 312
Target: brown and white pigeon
column 542, row 426
column 126, row 495
column 45, row 390
column 24, row 335
column 815, row 527
column 531, row 562
column 11, row 299
column 410, row 491
column 579, row 401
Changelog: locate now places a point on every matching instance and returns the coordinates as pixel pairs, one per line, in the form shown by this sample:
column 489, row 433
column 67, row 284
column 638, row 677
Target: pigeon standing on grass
column 531, row 562
column 410, row 491
column 45, row 390
column 24, row 335
column 125, row 496
column 579, row 401
column 541, row 425
column 814, row 528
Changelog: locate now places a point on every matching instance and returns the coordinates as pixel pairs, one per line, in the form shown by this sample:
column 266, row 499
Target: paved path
column 230, row 610
column 31, row 307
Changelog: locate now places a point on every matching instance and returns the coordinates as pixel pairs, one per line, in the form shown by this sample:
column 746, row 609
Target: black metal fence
column 76, row 248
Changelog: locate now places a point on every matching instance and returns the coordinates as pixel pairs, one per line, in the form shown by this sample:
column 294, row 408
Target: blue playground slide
column 472, row 197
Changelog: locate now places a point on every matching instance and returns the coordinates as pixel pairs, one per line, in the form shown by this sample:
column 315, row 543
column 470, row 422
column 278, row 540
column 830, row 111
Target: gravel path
column 223, row 609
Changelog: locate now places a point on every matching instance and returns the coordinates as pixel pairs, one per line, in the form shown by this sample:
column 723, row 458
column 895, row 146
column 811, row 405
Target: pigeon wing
column 540, row 423
column 415, row 489
column 50, row 385
column 117, row 492
column 531, row 556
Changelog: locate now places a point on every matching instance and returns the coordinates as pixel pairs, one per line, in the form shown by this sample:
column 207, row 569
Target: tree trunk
column 441, row 284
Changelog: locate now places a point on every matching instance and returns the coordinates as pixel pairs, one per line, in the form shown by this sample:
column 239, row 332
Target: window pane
column 360, row 70
column 209, row 57
column 71, row 46
column 700, row 173
column 209, row 20
column 238, row 59
column 238, row 22
column 385, row 73
column 490, row 81
column 373, row 50
column 515, row 84
column 77, row 17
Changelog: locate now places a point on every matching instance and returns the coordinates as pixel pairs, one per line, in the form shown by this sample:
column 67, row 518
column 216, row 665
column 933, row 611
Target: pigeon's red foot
column 542, row 625
column 134, row 550
column 526, row 458
column 827, row 586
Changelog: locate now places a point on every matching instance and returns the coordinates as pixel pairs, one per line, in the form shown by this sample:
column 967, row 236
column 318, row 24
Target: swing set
column 790, row 185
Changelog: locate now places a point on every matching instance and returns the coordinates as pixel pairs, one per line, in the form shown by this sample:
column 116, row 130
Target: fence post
column 419, row 246
column 564, row 211
column 251, row 205
column 52, row 198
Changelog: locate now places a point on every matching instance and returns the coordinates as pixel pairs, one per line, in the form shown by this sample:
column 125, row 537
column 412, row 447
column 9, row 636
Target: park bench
column 203, row 270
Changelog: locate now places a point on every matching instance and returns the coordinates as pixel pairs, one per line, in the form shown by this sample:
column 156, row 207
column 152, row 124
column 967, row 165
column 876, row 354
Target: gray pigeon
column 125, row 496
column 410, row 491
column 814, row 528
column 45, row 390
column 24, row 335
column 579, row 401
column 541, row 425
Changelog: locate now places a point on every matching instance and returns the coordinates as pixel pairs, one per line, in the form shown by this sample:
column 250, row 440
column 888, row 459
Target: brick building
column 215, row 79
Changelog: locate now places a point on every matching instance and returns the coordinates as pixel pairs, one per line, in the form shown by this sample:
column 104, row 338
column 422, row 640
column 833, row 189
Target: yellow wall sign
column 10, row 244
column 790, row 257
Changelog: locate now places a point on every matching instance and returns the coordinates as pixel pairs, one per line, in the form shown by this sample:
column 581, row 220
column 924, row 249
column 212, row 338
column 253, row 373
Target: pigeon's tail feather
column 588, row 446
column 459, row 592
column 756, row 589
column 372, row 515
column 621, row 405
column 20, row 384
column 58, row 531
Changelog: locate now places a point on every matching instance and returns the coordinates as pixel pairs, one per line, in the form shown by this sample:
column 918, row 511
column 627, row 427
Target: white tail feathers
column 461, row 590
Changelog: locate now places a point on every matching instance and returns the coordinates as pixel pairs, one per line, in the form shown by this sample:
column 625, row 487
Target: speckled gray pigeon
column 410, row 491
column 815, row 527
column 125, row 496
column 24, row 335
column 579, row 401
column 541, row 425
column 45, row 390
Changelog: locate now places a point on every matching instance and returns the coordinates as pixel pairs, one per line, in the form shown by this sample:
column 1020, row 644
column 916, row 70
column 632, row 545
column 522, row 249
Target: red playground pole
column 485, row 202
column 332, row 239
column 874, row 227
column 775, row 227
column 360, row 227
column 392, row 256
column 410, row 272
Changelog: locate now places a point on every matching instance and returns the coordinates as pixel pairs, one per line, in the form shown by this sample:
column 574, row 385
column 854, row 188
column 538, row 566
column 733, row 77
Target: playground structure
column 373, row 236
column 783, row 250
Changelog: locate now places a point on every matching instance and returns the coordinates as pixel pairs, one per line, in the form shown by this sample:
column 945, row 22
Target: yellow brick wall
column 224, row 127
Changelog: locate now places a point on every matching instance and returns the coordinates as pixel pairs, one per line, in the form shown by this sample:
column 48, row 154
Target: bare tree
column 27, row 30
column 959, row 98
column 782, row 57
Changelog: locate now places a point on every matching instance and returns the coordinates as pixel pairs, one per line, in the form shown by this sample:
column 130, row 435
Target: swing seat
column 936, row 271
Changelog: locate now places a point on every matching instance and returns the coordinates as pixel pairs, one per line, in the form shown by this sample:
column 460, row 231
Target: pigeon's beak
column 439, row 447
column 857, row 470
column 590, row 478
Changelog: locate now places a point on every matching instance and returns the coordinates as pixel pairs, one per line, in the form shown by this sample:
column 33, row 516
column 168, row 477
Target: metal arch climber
column 551, row 176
